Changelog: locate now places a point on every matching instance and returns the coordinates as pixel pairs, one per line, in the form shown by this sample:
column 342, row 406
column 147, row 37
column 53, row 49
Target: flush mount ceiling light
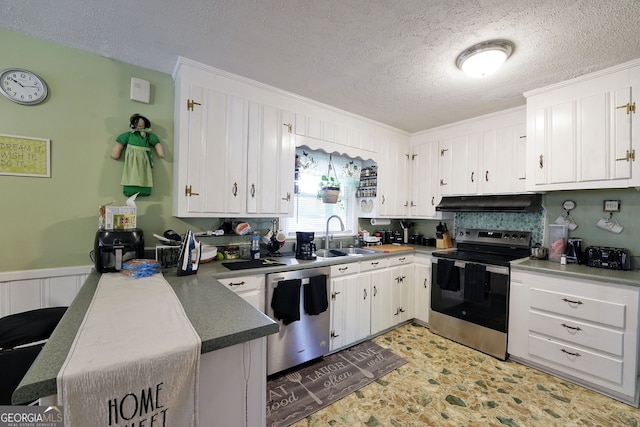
column 484, row 58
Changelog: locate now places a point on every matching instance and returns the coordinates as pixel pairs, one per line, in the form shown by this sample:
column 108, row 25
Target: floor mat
column 297, row 394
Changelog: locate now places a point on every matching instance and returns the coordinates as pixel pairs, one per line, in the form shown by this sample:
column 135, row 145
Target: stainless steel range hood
column 519, row 203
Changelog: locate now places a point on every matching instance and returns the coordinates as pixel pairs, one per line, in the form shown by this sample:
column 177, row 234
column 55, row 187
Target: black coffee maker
column 305, row 248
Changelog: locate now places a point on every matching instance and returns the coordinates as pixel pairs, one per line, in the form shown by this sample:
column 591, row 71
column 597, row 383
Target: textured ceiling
column 392, row 61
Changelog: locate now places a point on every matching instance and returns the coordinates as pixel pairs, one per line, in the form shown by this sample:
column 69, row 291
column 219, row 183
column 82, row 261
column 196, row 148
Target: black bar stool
column 22, row 336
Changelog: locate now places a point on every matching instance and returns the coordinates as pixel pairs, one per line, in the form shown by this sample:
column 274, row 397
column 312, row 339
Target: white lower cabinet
column 403, row 287
column 584, row 330
column 233, row 385
column 422, row 288
column 381, row 301
column 250, row 288
column 350, row 310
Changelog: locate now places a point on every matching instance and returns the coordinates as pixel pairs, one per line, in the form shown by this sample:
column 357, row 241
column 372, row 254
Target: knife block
column 444, row 242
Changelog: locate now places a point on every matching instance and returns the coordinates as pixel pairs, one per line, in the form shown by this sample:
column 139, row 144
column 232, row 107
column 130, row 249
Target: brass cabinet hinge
column 631, row 108
column 629, row 156
column 190, row 104
column 188, row 192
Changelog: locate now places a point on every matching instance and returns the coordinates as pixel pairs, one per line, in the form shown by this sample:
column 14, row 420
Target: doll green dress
column 136, row 175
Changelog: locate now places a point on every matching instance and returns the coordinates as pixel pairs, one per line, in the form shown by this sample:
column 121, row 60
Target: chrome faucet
column 326, row 236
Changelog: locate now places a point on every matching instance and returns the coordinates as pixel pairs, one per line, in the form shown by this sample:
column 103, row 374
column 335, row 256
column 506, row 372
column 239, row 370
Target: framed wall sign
column 25, row 156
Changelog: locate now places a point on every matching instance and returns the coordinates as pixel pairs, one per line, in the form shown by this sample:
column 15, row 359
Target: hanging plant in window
column 329, row 185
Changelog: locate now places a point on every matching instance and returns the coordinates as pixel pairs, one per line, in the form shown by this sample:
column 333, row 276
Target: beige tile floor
column 446, row 384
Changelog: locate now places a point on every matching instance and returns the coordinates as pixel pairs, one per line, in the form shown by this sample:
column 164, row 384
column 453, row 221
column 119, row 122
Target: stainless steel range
column 470, row 288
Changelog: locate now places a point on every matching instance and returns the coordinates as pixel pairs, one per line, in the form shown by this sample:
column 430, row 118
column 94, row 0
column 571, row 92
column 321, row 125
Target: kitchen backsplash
column 533, row 222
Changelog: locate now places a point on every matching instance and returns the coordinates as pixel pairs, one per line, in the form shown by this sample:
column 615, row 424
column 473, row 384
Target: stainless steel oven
column 470, row 288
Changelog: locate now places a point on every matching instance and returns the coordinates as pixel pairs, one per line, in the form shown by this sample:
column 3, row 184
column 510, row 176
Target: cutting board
column 391, row 248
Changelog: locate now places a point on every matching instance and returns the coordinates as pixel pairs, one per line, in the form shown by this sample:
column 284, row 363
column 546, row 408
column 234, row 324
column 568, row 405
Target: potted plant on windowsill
column 329, row 185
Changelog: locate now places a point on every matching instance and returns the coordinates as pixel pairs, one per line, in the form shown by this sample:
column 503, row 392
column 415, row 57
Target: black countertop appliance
column 113, row 247
column 305, row 248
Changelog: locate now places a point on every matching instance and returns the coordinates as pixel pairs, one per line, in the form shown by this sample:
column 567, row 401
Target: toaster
column 609, row 258
column 113, row 247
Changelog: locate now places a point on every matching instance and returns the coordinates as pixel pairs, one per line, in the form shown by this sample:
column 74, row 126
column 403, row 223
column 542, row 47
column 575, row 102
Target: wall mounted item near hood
column 520, row 203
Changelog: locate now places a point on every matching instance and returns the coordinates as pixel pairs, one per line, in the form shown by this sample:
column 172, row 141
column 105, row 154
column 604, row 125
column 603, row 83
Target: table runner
column 134, row 360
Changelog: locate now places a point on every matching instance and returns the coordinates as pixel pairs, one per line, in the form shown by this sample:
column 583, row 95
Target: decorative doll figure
column 136, row 175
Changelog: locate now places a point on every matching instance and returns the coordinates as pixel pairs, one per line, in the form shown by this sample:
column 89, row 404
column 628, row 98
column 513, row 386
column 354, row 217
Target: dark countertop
column 628, row 278
column 220, row 317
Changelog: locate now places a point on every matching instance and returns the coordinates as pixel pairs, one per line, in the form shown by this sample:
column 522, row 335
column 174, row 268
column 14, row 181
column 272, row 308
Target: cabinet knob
column 472, row 176
column 288, row 198
column 541, row 161
column 253, row 191
column 486, row 176
column 234, row 190
column 288, row 126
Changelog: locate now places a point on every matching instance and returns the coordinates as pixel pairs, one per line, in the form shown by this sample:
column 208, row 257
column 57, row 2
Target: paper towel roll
column 380, row 221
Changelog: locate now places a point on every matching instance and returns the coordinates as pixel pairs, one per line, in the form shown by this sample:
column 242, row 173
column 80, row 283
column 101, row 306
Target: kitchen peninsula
column 229, row 328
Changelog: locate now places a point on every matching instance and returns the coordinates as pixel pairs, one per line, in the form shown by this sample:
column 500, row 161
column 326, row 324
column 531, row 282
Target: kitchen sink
column 332, row 253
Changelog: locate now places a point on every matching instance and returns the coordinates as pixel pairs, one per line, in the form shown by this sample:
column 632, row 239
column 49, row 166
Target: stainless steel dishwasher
column 298, row 341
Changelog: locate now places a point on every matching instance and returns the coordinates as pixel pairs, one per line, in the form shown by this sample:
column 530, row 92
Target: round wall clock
column 22, row 86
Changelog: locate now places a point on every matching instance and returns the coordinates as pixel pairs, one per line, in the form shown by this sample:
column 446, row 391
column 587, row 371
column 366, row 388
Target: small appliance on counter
column 113, row 247
column 305, row 248
column 609, row 258
column 574, row 250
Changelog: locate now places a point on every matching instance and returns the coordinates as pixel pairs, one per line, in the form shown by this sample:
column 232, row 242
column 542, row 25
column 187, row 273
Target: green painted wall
column 51, row 222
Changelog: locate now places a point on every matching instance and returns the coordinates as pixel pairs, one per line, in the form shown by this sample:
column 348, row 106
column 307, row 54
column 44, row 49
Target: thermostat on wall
column 140, row 90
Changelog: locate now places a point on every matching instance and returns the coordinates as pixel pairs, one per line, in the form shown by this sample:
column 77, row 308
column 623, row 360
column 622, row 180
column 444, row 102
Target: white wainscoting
column 31, row 289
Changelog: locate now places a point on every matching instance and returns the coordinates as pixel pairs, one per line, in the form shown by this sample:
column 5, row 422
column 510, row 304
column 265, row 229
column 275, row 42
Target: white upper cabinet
column 424, row 187
column 580, row 132
column 484, row 155
column 233, row 156
column 214, row 153
column 393, row 179
column 271, row 161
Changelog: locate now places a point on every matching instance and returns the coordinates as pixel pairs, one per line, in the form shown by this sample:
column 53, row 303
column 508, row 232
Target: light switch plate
column 611, row 206
column 140, row 90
